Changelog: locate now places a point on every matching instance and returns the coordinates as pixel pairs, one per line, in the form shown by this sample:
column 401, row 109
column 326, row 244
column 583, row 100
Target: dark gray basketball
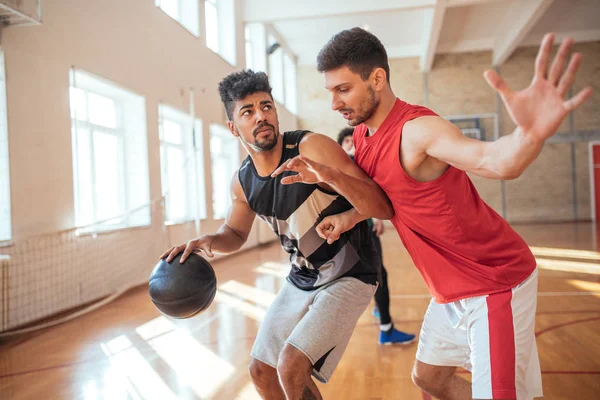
column 182, row 290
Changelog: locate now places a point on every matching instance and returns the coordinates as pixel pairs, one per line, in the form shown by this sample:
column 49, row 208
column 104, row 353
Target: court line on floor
column 212, row 318
column 426, row 396
column 553, row 327
column 540, row 294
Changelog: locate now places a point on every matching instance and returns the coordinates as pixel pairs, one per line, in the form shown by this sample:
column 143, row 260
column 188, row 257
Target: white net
column 45, row 275
column 120, row 232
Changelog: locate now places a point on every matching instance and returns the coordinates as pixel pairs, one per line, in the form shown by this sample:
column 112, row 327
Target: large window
column 256, row 58
column 289, row 73
column 211, row 16
column 225, row 157
column 276, row 70
column 5, row 224
column 183, row 11
column 110, row 155
column 220, row 28
column 182, row 165
column 282, row 75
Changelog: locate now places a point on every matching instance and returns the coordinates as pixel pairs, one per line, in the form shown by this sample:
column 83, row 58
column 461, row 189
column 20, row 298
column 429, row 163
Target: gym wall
column 136, row 45
column 544, row 193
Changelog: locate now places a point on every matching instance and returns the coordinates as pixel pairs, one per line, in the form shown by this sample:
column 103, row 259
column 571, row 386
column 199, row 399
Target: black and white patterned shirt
column 294, row 211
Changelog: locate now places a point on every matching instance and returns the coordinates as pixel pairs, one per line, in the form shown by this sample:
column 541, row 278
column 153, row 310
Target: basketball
column 182, row 290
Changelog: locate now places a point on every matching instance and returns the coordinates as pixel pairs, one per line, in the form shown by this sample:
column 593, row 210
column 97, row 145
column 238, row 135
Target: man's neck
column 266, row 162
column 386, row 103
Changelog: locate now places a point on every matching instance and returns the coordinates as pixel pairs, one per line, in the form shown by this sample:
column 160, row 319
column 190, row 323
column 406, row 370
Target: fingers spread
column 166, row 253
column 560, row 60
column 497, row 83
column 578, row 99
column 541, row 61
column 569, row 76
column 188, row 250
column 174, row 252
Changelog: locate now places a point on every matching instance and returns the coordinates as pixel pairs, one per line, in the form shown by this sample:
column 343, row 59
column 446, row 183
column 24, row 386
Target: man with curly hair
column 308, row 325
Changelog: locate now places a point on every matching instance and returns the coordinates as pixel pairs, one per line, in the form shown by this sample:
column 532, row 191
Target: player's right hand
column 202, row 244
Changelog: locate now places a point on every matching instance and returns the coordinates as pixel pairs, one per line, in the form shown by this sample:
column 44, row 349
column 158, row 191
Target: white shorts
column 492, row 336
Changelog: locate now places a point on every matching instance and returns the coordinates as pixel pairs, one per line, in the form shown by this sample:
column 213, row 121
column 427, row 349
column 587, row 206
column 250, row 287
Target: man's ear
column 379, row 79
column 232, row 129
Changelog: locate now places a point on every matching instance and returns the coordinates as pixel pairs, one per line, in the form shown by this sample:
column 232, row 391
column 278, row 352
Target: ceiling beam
column 273, row 11
column 519, row 19
column 434, row 18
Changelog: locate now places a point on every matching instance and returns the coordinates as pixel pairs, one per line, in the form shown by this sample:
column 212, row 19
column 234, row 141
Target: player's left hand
column 333, row 226
column 540, row 109
column 308, row 171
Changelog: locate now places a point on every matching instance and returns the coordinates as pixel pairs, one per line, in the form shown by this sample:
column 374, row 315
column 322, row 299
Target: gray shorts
column 319, row 323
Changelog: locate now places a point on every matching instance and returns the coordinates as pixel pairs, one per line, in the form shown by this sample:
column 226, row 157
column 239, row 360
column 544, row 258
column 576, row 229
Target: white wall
column 134, row 44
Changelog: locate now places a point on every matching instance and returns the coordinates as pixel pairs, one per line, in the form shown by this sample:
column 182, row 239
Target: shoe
column 395, row 336
column 376, row 312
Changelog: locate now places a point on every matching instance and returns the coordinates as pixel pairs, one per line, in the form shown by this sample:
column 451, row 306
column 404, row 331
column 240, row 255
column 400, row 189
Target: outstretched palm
column 540, row 109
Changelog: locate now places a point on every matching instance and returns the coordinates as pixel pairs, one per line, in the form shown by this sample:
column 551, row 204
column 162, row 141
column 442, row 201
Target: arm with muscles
column 322, row 160
column 230, row 236
column 537, row 111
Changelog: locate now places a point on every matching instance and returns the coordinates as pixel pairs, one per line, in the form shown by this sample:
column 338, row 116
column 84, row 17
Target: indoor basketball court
column 115, row 148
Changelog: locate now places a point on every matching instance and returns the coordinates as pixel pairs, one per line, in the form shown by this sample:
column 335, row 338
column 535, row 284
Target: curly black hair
column 347, row 131
column 357, row 49
column 239, row 84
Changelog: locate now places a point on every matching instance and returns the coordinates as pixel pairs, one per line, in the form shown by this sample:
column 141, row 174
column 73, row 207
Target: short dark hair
column 239, row 84
column 347, row 131
column 356, row 49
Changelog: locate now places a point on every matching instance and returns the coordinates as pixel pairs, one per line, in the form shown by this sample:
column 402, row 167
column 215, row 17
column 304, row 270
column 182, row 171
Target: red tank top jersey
column 460, row 245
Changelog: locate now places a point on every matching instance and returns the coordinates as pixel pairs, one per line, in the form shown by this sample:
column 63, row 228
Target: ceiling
column 423, row 28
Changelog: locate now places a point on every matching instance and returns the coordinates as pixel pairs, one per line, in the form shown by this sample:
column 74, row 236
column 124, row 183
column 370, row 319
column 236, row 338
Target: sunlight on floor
column 568, row 266
column 565, row 253
column 248, row 392
column 129, row 365
column 258, row 296
column 255, row 312
column 196, row 366
column 273, row 268
column 585, row 285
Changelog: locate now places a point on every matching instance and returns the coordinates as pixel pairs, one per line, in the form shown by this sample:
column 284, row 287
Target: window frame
column 192, row 147
column 233, row 155
column 5, row 240
column 122, row 99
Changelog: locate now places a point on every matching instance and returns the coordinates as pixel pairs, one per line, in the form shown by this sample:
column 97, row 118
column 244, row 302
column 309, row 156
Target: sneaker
column 395, row 337
column 376, row 312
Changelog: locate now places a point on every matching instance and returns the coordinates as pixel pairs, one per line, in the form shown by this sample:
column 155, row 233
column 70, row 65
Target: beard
column 366, row 109
column 265, row 143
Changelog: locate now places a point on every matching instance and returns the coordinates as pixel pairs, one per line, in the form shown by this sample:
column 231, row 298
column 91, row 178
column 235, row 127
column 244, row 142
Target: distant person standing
column 388, row 334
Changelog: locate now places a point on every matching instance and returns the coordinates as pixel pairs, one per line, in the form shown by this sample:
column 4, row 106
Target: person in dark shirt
column 388, row 334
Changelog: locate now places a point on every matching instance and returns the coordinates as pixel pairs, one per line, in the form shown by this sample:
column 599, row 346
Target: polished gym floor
column 127, row 350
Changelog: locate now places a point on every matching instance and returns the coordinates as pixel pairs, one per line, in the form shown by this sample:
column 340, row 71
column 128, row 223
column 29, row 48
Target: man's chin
column 266, row 145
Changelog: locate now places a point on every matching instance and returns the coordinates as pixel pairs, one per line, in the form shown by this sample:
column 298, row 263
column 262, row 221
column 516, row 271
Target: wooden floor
column 127, row 350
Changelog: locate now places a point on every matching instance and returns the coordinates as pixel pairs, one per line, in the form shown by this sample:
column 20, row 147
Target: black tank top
column 294, row 211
